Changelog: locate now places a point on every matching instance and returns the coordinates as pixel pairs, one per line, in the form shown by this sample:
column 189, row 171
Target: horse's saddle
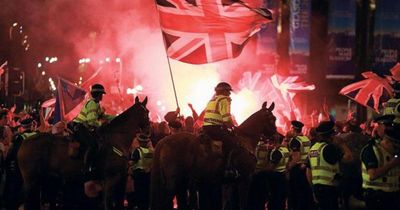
column 215, row 145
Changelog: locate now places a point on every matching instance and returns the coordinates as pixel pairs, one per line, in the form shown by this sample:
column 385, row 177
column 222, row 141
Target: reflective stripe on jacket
column 390, row 106
column 145, row 160
column 322, row 171
column 218, row 111
column 90, row 114
column 261, row 156
column 388, row 183
column 304, row 147
column 28, row 135
column 281, row 167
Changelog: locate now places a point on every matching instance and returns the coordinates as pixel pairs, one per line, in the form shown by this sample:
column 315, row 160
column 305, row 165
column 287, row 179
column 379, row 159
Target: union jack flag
column 370, row 92
column 396, row 72
column 205, row 31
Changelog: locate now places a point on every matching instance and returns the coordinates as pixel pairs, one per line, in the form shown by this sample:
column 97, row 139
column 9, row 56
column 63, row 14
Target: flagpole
column 256, row 10
column 172, row 78
column 169, row 63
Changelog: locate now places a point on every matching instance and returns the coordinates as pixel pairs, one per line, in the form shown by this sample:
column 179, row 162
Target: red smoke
column 129, row 30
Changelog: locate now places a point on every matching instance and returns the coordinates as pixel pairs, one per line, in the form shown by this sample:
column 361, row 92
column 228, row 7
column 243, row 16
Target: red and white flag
column 370, row 92
column 205, row 31
column 396, row 72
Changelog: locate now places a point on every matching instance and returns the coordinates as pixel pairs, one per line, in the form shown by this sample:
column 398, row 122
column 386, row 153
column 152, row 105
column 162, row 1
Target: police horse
column 47, row 156
column 184, row 162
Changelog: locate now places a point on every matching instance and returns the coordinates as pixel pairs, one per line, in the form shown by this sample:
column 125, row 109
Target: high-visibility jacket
column 145, row 160
column 261, row 156
column 218, row 111
column 304, row 147
column 322, row 171
column 390, row 106
column 388, row 183
column 91, row 114
column 28, row 135
column 281, row 167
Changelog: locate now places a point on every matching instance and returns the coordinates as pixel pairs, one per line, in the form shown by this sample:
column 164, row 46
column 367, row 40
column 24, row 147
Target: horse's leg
column 114, row 191
column 193, row 197
column 210, row 196
column 32, row 194
column 182, row 196
column 160, row 192
column 243, row 192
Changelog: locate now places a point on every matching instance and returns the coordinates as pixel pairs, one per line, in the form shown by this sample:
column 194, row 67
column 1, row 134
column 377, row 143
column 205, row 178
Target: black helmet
column 97, row 88
column 223, row 86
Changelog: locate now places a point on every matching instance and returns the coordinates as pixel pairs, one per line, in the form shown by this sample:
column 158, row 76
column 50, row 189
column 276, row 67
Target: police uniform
column 216, row 114
column 13, row 186
column 259, row 190
column 384, row 191
column 88, row 120
column 300, row 194
column 392, row 106
column 280, row 158
column 91, row 114
column 324, row 161
column 142, row 158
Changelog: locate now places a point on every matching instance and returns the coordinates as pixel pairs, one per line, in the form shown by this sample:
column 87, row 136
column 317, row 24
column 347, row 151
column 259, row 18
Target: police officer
column 383, row 122
column 279, row 158
column 217, row 118
column 391, row 104
column 259, row 187
column 300, row 194
column 90, row 118
column 142, row 159
column 381, row 171
column 13, row 186
column 324, row 158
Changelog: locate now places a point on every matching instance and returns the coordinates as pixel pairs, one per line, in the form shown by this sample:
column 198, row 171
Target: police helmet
column 97, row 88
column 223, row 86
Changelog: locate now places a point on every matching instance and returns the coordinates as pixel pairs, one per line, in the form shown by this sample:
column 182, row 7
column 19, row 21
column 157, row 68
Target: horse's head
column 261, row 122
column 268, row 119
column 133, row 119
column 141, row 113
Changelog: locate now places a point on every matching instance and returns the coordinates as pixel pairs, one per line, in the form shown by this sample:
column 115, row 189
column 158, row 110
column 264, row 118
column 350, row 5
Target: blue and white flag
column 69, row 98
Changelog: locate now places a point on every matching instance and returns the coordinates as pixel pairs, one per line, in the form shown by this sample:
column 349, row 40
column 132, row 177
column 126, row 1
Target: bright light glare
column 139, row 87
column 131, row 91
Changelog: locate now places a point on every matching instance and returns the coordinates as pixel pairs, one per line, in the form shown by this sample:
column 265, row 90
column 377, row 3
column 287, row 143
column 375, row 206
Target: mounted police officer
column 300, row 194
column 324, row 158
column 90, row 118
column 381, row 171
column 218, row 119
column 141, row 161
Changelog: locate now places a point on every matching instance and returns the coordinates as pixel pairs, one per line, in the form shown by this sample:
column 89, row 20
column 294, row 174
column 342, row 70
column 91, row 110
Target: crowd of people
column 333, row 165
